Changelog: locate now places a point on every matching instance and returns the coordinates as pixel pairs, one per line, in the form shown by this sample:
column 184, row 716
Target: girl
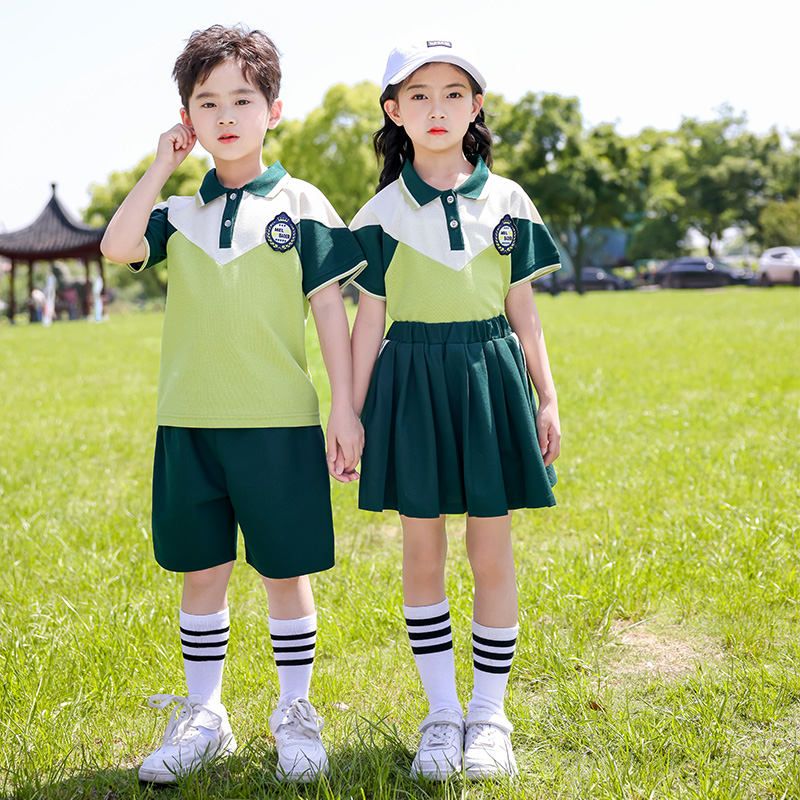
column 449, row 415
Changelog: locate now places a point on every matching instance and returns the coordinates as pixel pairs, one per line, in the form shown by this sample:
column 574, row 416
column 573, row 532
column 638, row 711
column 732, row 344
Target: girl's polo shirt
column 451, row 256
column 242, row 264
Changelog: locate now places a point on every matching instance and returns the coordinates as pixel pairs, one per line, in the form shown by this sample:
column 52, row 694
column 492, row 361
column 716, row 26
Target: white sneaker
column 195, row 735
column 487, row 745
column 301, row 754
column 439, row 752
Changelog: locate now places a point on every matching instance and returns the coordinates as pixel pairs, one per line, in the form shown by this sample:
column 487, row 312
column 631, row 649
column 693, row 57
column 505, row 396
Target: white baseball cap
column 407, row 58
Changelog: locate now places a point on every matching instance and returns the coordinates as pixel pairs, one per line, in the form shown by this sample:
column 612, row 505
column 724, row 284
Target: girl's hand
column 175, row 145
column 345, row 443
column 548, row 429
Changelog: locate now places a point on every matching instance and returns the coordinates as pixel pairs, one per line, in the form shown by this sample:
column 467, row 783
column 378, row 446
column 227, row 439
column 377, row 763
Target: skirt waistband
column 479, row 330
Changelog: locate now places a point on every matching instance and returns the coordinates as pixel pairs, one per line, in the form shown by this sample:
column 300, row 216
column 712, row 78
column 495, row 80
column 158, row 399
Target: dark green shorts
column 273, row 483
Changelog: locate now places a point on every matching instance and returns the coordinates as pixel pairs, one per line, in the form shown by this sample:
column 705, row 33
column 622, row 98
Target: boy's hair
column 253, row 51
column 393, row 145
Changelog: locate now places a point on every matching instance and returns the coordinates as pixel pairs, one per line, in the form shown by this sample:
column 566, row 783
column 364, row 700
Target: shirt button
column 233, row 195
column 450, row 198
column 227, row 223
column 453, row 223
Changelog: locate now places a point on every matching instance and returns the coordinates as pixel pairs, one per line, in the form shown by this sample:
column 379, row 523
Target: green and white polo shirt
column 242, row 264
column 451, row 256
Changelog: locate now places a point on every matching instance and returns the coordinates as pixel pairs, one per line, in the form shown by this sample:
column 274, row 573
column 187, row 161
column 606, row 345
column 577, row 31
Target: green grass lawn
column 659, row 640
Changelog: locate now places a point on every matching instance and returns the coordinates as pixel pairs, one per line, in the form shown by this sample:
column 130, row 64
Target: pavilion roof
column 54, row 234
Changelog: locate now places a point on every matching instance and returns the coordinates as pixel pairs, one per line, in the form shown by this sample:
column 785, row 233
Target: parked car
column 595, row 278
column 779, row 265
column 691, row 272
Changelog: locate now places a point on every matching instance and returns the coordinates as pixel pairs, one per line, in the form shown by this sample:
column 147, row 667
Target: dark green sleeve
column 159, row 229
column 326, row 255
column 378, row 249
column 534, row 251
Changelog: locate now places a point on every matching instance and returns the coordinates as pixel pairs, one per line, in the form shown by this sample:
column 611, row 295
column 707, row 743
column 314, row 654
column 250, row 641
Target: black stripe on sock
column 492, row 669
column 495, row 656
column 300, row 662
column 288, row 637
column 429, row 620
column 223, row 643
column 203, row 658
column 434, row 648
column 494, row 642
column 416, row 635
column 205, row 633
column 299, row 649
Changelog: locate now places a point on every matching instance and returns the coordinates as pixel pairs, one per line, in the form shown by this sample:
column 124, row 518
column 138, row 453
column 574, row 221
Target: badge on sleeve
column 505, row 236
column 281, row 233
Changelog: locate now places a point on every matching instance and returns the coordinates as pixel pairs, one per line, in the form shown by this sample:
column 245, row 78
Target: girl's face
column 435, row 105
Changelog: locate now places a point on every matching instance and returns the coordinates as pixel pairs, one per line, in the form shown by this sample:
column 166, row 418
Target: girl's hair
column 393, row 145
column 254, row 51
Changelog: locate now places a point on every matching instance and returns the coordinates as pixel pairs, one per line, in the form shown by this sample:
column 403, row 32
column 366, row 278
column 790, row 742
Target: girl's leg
column 427, row 611
column 205, row 623
column 293, row 629
column 428, row 622
column 494, row 625
column 487, row 745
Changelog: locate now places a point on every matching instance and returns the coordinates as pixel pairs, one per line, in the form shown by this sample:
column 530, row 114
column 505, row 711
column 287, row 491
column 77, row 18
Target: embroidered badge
column 281, row 233
column 505, row 236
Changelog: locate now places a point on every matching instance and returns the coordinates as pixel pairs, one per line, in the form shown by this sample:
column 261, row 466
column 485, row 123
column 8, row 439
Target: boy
column 239, row 438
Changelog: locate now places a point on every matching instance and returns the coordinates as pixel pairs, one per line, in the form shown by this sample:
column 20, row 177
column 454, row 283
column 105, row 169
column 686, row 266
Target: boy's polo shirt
column 451, row 256
column 242, row 265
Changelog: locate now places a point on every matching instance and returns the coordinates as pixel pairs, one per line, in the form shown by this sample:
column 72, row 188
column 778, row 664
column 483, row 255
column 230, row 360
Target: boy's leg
column 200, row 729
column 295, row 723
column 427, row 615
column 487, row 749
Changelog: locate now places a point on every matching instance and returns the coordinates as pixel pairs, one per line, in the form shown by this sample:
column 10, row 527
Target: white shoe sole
column 226, row 748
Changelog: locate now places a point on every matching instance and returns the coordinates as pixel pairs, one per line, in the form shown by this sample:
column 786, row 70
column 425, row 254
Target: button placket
column 453, row 220
column 232, row 200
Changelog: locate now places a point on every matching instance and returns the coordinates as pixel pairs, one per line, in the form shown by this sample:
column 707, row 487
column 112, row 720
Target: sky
column 87, row 86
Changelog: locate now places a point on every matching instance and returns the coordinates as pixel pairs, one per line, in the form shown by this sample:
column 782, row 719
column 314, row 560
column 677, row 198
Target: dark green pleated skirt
column 450, row 424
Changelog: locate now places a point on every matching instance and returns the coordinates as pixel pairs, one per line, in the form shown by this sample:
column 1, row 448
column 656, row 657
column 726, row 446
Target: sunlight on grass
column 659, row 600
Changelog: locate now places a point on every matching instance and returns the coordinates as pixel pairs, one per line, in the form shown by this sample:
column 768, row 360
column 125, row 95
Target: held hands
column 175, row 145
column 345, row 443
column 548, row 429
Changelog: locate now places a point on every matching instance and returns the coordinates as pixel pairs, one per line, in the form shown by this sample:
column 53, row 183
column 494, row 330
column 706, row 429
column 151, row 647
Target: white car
column 779, row 265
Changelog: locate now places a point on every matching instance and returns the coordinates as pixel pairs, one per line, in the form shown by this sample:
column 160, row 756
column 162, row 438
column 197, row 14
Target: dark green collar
column 423, row 193
column 262, row 185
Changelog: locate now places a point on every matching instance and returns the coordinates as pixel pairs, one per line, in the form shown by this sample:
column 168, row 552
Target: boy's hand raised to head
column 175, row 145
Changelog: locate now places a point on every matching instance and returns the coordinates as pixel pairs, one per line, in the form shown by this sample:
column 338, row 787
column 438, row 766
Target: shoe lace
column 440, row 736
column 301, row 720
column 181, row 726
column 484, row 735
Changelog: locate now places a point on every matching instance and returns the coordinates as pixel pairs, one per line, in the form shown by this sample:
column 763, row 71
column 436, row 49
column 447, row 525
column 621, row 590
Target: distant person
column 97, row 297
column 49, row 310
column 36, row 304
column 239, row 437
column 449, row 416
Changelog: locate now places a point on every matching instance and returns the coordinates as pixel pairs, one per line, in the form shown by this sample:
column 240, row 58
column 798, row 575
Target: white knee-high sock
column 204, row 642
column 492, row 652
column 432, row 644
column 294, row 644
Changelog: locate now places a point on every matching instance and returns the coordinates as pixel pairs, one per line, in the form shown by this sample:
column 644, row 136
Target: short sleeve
column 155, row 238
column 378, row 248
column 535, row 253
column 328, row 250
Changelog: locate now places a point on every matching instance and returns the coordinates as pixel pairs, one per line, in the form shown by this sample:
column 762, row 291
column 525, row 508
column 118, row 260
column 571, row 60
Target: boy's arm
column 524, row 319
column 345, row 436
column 123, row 239
column 368, row 331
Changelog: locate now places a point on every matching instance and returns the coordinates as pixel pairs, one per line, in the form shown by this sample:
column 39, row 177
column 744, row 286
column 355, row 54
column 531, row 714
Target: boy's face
column 229, row 115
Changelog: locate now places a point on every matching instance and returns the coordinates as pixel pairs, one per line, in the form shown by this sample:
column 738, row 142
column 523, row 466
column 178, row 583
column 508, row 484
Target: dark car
column 595, row 278
column 700, row 273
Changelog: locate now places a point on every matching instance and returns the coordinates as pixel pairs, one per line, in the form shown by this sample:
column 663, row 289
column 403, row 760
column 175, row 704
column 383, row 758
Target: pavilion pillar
column 12, row 303
column 86, row 305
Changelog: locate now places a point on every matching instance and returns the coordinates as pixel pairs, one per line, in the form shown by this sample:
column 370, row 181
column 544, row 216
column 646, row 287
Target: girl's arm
column 123, row 239
column 524, row 319
column 345, row 436
column 368, row 331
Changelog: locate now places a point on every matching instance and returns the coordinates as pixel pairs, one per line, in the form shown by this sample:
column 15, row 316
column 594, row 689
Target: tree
column 332, row 147
column 581, row 179
column 107, row 198
column 779, row 223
